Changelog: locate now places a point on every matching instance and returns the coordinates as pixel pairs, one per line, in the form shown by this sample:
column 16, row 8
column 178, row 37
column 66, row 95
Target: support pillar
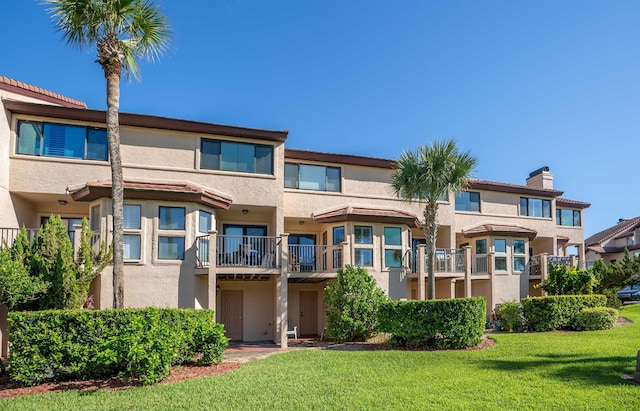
column 421, row 271
column 544, row 269
column 211, row 282
column 282, row 292
column 346, row 254
column 467, row 271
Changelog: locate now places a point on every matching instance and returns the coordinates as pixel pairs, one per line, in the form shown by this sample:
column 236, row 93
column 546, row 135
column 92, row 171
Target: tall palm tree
column 123, row 31
column 425, row 176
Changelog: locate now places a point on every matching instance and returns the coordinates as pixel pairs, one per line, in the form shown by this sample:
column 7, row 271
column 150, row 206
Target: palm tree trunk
column 430, row 231
column 117, row 193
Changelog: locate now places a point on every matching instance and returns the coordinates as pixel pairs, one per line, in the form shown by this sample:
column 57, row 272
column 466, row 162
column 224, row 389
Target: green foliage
column 134, row 343
column 452, row 323
column 612, row 298
column 511, row 315
column 556, row 312
column 563, row 280
column 598, row 318
column 17, row 286
column 352, row 303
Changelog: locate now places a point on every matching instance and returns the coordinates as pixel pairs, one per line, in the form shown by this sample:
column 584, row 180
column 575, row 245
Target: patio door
column 308, row 313
column 231, row 313
column 301, row 247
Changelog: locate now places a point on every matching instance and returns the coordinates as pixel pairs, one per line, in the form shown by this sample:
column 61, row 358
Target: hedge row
column 592, row 319
column 558, row 311
column 133, row 343
column 453, row 323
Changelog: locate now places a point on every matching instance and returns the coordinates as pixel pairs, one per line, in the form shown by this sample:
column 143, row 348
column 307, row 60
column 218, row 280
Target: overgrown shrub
column 510, row 313
column 452, row 323
column 352, row 303
column 556, row 312
column 563, row 280
column 133, row 343
column 592, row 319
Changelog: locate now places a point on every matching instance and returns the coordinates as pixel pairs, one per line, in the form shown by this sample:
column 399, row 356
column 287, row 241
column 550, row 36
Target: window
column 131, row 224
column 61, row 140
column 363, row 235
column 338, row 235
column 204, row 222
column 233, row 156
column 481, row 246
column 171, row 224
column 393, row 247
column 535, row 207
column 310, row 177
column 468, row 201
column 363, row 257
column 568, row 217
column 500, row 250
column 95, row 217
column 518, row 255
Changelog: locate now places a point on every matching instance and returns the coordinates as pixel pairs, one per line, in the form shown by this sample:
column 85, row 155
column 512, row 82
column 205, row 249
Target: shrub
column 612, row 299
column 555, row 312
column 598, row 318
column 565, row 280
column 452, row 323
column 134, row 343
column 352, row 304
column 510, row 313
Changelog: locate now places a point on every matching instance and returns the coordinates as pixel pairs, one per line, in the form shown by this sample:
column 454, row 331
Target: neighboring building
column 610, row 244
column 226, row 218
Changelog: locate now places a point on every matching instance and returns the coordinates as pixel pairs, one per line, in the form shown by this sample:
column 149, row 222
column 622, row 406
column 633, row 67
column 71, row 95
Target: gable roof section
column 25, row 89
column 367, row 214
column 140, row 190
column 499, row 229
column 623, row 226
column 142, row 120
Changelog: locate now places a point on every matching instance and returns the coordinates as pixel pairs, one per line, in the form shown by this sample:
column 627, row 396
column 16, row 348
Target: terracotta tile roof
column 140, row 190
column 623, row 226
column 565, row 202
column 142, row 120
column 562, row 239
column 19, row 87
column 293, row 154
column 366, row 214
column 512, row 188
column 613, row 249
column 499, row 229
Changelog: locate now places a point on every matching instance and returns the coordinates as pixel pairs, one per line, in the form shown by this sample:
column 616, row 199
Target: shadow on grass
column 571, row 367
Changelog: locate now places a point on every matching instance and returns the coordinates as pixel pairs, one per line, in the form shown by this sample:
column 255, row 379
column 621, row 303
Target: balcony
column 239, row 251
column 315, row 258
column 8, row 235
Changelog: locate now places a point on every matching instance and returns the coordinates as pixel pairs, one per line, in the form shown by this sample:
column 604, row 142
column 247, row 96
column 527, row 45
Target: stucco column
column 211, row 283
column 574, row 261
column 492, row 279
column 544, row 268
column 77, row 238
column 467, row 271
column 282, row 291
column 346, row 254
column 421, row 271
column 453, row 289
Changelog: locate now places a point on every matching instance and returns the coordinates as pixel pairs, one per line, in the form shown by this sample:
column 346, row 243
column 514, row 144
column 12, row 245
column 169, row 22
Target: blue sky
column 520, row 84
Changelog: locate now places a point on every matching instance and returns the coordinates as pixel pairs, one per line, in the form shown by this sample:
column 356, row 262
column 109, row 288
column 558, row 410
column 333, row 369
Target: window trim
column 326, row 177
column 501, row 255
column 528, row 212
column 469, row 193
column 559, row 219
column 171, row 233
column 204, row 140
column 360, row 247
column 522, row 255
column 132, row 231
column 391, row 247
column 40, row 144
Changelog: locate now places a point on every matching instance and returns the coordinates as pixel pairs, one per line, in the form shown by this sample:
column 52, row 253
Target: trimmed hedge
column 132, row 343
column 593, row 319
column 557, row 311
column 451, row 323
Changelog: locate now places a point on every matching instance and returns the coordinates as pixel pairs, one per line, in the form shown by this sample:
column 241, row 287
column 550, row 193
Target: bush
column 612, row 299
column 599, row 318
column 510, row 313
column 565, row 280
column 133, row 343
column 453, row 323
column 555, row 312
column 352, row 304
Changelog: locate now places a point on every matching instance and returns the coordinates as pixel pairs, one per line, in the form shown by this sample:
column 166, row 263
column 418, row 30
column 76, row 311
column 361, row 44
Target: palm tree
column 427, row 175
column 123, row 31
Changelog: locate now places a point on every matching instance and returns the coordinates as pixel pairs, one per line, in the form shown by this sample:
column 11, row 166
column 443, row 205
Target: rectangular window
column 568, row 217
column 61, row 140
column 518, row 246
column 501, row 263
column 338, row 235
column 311, row 177
column 481, row 246
column 468, row 201
column 95, row 217
column 500, row 250
column 535, row 207
column 363, row 234
column 500, row 245
column 132, row 237
column 171, row 218
column 518, row 255
column 392, row 236
column 131, row 245
column 171, row 248
column 233, row 156
column 204, row 222
column 393, row 247
column 131, row 216
column 363, row 257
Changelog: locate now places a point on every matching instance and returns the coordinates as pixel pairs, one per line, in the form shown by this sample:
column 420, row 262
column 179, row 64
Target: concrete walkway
column 245, row 352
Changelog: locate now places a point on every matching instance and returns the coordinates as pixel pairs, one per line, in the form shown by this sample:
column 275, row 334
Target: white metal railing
column 8, row 235
column 315, row 258
column 557, row 260
column 202, row 251
column 448, row 260
column 247, row 251
column 479, row 264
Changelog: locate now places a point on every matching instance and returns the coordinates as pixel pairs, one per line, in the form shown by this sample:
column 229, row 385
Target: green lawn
column 523, row 371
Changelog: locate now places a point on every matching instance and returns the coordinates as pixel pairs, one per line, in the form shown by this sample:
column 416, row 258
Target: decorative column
column 421, row 271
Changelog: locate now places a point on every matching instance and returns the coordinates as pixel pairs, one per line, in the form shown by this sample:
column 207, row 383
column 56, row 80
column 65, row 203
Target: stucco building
column 609, row 244
column 227, row 218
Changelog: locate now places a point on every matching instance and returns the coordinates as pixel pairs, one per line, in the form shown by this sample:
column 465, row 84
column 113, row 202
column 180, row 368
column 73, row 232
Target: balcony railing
column 315, row 258
column 247, row 251
column 448, row 260
column 202, row 251
column 586, row 264
column 566, row 261
column 534, row 266
column 479, row 264
column 8, row 235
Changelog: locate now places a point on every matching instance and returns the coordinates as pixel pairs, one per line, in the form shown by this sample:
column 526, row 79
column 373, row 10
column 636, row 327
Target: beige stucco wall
column 293, row 312
column 258, row 321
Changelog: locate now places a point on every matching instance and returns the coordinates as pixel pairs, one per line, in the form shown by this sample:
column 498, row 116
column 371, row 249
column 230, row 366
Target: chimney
column 541, row 178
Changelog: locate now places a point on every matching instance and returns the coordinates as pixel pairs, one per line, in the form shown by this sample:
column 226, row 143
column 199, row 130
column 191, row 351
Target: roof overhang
column 512, row 188
column 139, row 190
column 367, row 214
column 306, row 155
column 142, row 120
column 500, row 229
column 565, row 202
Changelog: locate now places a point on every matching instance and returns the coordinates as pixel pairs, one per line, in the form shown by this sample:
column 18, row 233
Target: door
column 302, row 250
column 231, row 313
column 308, row 313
